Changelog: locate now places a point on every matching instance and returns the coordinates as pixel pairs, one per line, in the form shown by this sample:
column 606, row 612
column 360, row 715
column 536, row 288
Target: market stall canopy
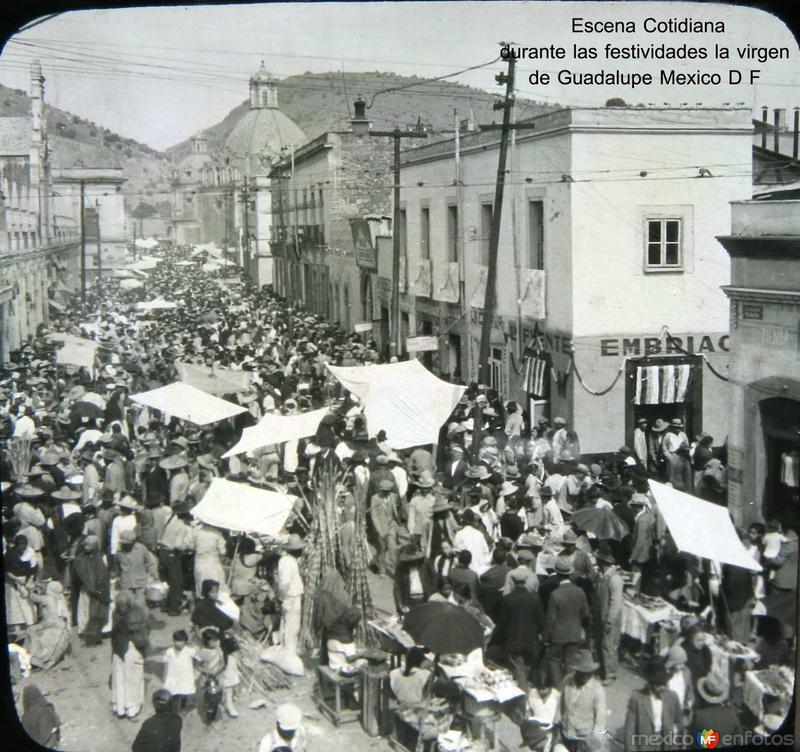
column 155, row 304
column 244, row 509
column 130, row 284
column 144, row 264
column 210, row 247
column 76, row 351
column 276, row 429
column 701, row 528
column 146, row 243
column 214, row 380
column 404, row 399
column 187, row 403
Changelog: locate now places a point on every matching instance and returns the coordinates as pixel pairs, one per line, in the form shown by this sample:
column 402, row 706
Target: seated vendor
column 421, row 694
column 206, row 612
column 343, row 655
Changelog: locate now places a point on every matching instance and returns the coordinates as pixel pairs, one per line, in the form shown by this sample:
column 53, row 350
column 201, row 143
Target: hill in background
column 319, row 102
column 77, row 142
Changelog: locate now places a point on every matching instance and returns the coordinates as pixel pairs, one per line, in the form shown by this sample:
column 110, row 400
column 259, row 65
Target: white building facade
column 607, row 242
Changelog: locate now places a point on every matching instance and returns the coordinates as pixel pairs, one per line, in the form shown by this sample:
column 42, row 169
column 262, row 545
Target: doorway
column 780, row 422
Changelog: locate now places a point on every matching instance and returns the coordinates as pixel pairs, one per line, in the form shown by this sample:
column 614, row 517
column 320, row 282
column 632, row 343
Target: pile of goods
column 647, row 601
column 777, row 680
column 488, row 679
column 256, row 675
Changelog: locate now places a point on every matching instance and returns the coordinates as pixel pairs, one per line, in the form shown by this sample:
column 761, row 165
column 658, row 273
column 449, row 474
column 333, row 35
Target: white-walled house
column 607, row 241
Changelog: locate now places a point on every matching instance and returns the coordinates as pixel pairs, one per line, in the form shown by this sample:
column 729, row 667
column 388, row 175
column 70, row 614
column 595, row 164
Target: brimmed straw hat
column 174, row 462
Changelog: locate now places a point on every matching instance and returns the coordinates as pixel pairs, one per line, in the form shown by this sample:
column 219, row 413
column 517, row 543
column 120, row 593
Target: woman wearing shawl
column 39, row 717
column 19, row 566
column 48, row 639
column 206, row 611
column 129, row 641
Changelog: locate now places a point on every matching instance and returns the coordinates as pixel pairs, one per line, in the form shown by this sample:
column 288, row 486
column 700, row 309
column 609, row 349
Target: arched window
column 265, row 97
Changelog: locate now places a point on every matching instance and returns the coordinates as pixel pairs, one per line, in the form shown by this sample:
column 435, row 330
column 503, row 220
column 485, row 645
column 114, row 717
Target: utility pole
column 246, row 224
column 83, row 249
column 507, row 106
column 293, row 191
column 361, row 127
column 99, row 255
column 497, row 213
column 465, row 306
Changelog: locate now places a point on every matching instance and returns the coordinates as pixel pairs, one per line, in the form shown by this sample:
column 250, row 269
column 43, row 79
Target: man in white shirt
column 674, row 437
column 24, row 427
column 471, row 539
column 290, row 590
column 400, row 475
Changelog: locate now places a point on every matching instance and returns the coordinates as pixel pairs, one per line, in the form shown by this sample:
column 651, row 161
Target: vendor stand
column 777, row 681
column 651, row 621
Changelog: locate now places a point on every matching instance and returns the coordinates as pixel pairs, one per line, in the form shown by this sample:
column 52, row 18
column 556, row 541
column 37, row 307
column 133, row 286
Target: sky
column 160, row 74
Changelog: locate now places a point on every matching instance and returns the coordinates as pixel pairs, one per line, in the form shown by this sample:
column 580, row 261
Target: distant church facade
column 223, row 195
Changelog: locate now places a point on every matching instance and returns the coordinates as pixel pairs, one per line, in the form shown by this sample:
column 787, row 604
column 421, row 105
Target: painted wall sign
column 422, row 344
column 633, row 346
column 753, row 311
column 366, row 326
column 362, row 243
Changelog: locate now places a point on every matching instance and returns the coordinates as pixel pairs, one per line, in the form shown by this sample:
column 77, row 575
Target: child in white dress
column 179, row 675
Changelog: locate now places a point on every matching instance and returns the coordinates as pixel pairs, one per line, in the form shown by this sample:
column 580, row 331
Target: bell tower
column 263, row 90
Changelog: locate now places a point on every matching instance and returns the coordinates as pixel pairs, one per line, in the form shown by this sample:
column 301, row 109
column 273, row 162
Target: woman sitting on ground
column 206, row 611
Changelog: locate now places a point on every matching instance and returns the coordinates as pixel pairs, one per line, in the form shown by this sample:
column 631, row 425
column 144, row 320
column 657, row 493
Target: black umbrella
column 87, row 410
column 443, row 628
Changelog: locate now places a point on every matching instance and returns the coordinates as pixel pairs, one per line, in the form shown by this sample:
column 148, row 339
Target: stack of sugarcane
column 257, row 675
column 19, row 452
column 357, row 582
column 324, row 553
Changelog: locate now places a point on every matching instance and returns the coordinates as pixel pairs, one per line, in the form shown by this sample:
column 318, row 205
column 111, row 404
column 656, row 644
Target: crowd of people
column 98, row 493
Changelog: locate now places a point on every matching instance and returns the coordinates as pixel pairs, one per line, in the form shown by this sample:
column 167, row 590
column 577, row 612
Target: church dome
column 264, row 132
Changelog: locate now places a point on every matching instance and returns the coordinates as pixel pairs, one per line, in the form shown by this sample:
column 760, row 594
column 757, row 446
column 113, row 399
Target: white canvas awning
column 214, row 380
column 155, row 305
column 147, row 243
column 701, row 528
column 243, row 508
column 144, row 264
column 187, row 403
column 76, row 351
column 276, row 429
column 404, row 399
column 130, row 284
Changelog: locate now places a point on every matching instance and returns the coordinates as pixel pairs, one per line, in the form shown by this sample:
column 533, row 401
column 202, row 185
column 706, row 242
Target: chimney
column 779, row 120
column 764, row 119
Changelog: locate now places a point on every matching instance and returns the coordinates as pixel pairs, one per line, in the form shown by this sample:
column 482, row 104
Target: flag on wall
column 536, row 372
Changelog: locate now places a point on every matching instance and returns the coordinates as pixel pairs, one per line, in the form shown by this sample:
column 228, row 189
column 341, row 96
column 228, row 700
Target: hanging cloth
column 682, row 381
column 667, row 384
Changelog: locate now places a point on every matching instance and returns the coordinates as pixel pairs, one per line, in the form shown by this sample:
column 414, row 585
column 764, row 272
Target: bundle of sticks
column 256, row 675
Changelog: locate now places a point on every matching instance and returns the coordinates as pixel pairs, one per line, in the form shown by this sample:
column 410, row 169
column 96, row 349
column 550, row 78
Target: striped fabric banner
column 537, row 370
column 662, row 385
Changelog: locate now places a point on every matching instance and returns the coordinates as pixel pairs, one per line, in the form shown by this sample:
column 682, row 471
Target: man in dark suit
column 652, row 710
column 462, row 573
column 568, row 615
column 491, row 583
column 519, row 623
column 455, row 469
